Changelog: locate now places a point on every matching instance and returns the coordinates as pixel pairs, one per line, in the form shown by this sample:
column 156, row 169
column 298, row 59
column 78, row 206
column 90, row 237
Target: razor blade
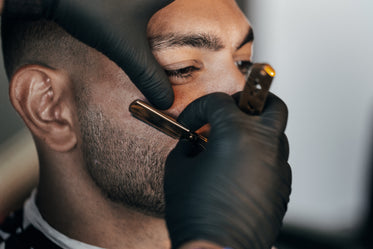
column 164, row 122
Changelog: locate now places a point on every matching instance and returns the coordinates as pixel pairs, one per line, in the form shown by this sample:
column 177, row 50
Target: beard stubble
column 127, row 169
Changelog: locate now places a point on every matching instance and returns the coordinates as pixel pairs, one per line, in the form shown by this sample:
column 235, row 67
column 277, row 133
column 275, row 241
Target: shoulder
column 13, row 234
column 10, row 227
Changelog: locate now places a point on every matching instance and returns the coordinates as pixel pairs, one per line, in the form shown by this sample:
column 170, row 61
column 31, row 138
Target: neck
column 71, row 203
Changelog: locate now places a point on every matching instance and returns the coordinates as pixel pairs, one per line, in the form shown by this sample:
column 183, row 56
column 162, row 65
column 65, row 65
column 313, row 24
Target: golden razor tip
column 269, row 70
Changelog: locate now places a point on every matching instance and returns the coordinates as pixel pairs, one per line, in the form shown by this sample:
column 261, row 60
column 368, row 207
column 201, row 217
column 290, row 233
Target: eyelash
column 243, row 66
column 185, row 72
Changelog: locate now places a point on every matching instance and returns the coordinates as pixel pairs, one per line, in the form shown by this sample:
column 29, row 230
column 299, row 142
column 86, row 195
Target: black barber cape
column 14, row 236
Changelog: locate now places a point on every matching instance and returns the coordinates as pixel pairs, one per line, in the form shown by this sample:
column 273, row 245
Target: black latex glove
column 236, row 192
column 117, row 28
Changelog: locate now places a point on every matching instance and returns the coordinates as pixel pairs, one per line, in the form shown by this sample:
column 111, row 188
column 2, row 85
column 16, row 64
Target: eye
column 182, row 75
column 243, row 66
column 185, row 72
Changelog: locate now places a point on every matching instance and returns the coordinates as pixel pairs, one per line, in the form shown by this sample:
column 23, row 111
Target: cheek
column 112, row 97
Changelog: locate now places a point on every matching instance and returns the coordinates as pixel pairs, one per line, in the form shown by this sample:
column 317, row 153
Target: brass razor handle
column 164, row 122
column 258, row 81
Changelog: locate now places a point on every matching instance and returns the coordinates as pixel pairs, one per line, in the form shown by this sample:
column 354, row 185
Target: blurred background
column 322, row 52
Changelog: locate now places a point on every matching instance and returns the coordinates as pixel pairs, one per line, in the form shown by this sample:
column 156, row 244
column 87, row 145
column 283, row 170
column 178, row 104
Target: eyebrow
column 248, row 38
column 200, row 40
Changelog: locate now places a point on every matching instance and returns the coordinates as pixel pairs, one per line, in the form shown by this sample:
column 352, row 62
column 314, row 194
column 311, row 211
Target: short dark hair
column 40, row 42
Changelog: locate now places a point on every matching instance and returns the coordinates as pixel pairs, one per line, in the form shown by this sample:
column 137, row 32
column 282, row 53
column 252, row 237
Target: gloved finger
column 147, row 8
column 283, row 169
column 144, row 70
column 275, row 113
column 181, row 151
column 123, row 39
column 236, row 97
column 177, row 158
column 284, row 147
column 149, row 78
column 212, row 108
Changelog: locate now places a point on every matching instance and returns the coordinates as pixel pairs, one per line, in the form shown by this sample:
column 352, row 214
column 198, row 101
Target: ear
column 44, row 99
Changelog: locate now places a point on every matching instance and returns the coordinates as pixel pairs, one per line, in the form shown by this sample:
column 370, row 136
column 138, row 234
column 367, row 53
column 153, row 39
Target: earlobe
column 41, row 97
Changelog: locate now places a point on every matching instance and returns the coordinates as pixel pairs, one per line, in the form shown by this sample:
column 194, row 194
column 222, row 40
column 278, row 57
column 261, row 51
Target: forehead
column 221, row 17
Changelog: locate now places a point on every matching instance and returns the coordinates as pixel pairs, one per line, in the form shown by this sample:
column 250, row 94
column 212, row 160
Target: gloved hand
column 116, row 28
column 236, row 192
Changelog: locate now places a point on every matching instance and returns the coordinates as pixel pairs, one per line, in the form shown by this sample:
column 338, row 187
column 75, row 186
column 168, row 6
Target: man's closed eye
column 181, row 75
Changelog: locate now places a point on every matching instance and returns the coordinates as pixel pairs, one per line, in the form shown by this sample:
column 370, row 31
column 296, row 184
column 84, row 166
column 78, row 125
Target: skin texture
column 99, row 167
column 1, row 6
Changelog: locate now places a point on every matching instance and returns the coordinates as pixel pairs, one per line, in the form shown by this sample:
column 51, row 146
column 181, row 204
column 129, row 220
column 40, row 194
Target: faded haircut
column 44, row 43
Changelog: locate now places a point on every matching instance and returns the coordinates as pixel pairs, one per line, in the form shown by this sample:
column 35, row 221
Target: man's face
column 204, row 46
